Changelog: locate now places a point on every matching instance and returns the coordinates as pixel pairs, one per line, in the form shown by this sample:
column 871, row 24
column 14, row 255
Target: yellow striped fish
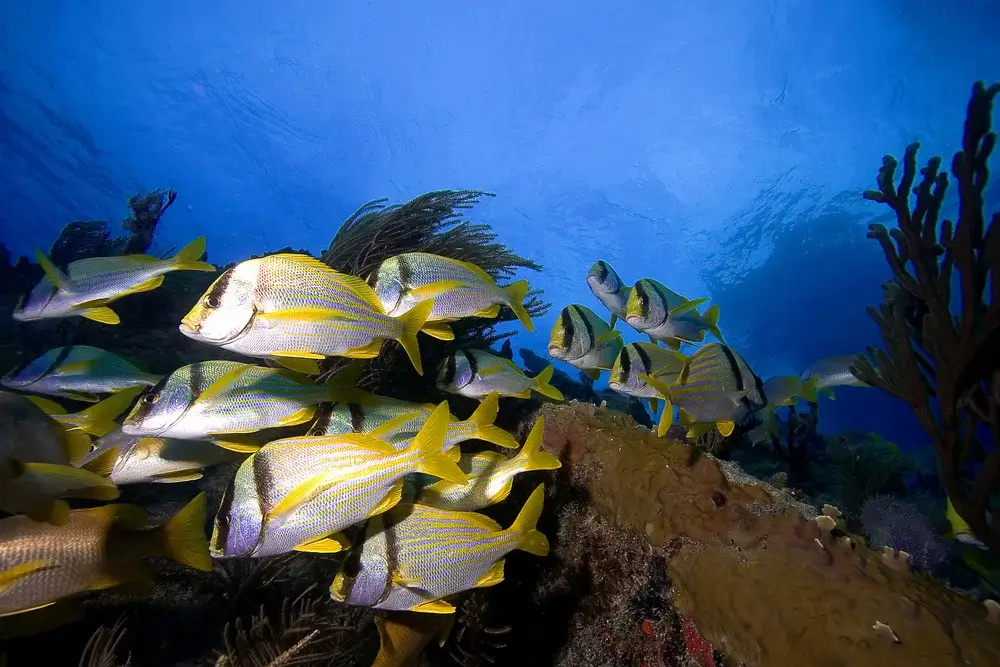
column 296, row 310
column 642, row 358
column 585, row 341
column 662, row 314
column 298, row 493
column 396, row 421
column 98, row 419
column 459, row 289
column 416, row 555
column 490, row 475
column 214, row 398
column 79, row 372
column 477, row 374
column 89, row 285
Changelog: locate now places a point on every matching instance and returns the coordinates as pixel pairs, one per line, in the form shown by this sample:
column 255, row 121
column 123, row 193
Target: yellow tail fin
column 410, row 323
column 711, row 320
column 439, row 330
column 531, row 456
column 484, row 417
column 184, row 537
column 428, row 444
column 808, row 390
column 99, row 419
column 187, row 257
column 529, row 539
column 667, row 417
column 517, row 293
column 60, row 481
column 543, row 386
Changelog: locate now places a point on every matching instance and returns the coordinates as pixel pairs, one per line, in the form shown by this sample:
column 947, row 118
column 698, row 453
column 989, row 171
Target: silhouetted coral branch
column 932, row 352
column 147, row 210
column 102, row 647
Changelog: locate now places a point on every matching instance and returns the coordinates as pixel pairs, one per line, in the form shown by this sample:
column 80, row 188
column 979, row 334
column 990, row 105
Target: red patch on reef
column 697, row 646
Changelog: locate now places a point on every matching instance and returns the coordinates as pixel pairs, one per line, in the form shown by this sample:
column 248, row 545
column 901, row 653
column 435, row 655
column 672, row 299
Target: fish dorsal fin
column 687, row 306
column 53, row 273
column 224, row 382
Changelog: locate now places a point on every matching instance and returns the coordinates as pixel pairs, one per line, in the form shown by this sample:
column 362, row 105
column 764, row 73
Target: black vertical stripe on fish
column 734, row 366
column 568, row 330
column 222, row 518
column 323, row 413
column 214, row 296
column 450, row 368
column 643, row 298
column 473, row 364
column 60, row 358
column 626, row 363
column 372, row 279
column 586, row 324
column 405, row 272
column 357, row 417
column 199, row 382
column 145, row 404
column 647, row 363
column 602, row 271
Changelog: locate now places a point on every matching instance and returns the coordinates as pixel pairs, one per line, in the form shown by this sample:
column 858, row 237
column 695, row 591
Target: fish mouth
column 192, row 329
column 556, row 351
column 634, row 320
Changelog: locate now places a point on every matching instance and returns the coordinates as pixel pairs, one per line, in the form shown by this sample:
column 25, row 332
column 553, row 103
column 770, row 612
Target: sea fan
column 102, row 647
column 890, row 521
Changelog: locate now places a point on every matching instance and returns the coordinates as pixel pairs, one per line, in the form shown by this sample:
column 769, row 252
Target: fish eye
column 151, row 398
column 212, row 302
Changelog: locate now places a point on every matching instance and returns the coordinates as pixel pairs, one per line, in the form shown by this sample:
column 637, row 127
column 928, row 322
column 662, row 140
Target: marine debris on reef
column 944, row 361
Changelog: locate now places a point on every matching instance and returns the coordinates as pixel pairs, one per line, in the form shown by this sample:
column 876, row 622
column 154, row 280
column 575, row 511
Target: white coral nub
column 992, row 611
column 884, row 631
column 831, row 511
column 825, row 523
column 897, row 560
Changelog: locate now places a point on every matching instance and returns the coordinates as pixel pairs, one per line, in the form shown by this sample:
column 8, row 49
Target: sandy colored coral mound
column 765, row 584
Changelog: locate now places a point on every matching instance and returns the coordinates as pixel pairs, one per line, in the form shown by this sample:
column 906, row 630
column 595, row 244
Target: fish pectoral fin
column 103, row 463
column 177, row 476
column 46, row 405
column 298, row 354
column 12, row 575
column 236, row 445
column 726, row 428
column 431, row 290
column 390, row 500
column 687, row 306
column 300, row 495
column 492, row 576
column 592, row 373
column 146, row 285
column 607, row 337
column 399, row 579
column 435, row 607
column 77, row 367
column 737, row 396
column 304, row 366
column 325, row 545
column 298, row 417
column 101, row 314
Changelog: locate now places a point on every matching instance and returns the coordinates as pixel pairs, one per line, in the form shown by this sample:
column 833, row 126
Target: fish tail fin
column 516, row 294
column 99, row 419
column 809, row 391
column 410, row 323
column 711, row 319
column 528, row 538
column 187, row 258
column 428, row 444
column 483, row 419
column 70, row 481
column 439, row 330
column 184, row 537
column 543, row 384
column 531, row 456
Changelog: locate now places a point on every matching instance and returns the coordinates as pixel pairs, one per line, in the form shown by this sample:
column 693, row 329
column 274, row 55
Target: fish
column 98, row 419
column 833, row 372
column 414, row 556
column 663, row 314
column 642, row 358
column 459, row 289
column 396, row 421
column 221, row 398
column 784, row 390
column 585, row 341
column 88, row 285
column 716, row 386
column 77, row 372
column 295, row 310
column 134, row 459
column 476, row 374
column 299, row 493
column 960, row 528
column 96, row 549
column 403, row 636
column 490, row 475
column 28, row 434
column 607, row 286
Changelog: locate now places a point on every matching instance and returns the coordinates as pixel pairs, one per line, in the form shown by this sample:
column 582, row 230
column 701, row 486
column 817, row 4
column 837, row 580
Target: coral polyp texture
column 764, row 579
column 940, row 324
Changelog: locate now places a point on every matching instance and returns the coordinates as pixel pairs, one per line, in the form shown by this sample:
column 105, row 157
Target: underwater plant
column 102, row 647
column 866, row 467
column 945, row 364
column 800, row 434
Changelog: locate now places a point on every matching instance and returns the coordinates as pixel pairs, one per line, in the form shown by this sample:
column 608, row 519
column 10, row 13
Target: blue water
column 720, row 147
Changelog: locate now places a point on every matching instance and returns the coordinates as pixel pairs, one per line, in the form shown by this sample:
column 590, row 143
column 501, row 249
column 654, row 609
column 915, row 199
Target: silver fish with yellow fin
column 459, row 289
column 476, row 374
column 299, row 493
column 78, row 372
column 134, row 459
column 662, row 314
column 89, row 285
column 296, row 310
column 413, row 556
column 607, row 286
column 716, row 387
column 396, row 421
column 96, row 549
column 830, row 372
column 98, row 419
column 585, row 341
column 27, row 433
column 642, row 358
column 491, row 475
column 219, row 398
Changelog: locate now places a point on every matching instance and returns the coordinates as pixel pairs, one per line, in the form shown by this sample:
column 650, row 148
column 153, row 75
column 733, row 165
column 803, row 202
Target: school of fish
column 385, row 478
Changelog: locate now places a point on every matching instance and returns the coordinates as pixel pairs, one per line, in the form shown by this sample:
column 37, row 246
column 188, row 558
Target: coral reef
column 762, row 578
column 944, row 360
